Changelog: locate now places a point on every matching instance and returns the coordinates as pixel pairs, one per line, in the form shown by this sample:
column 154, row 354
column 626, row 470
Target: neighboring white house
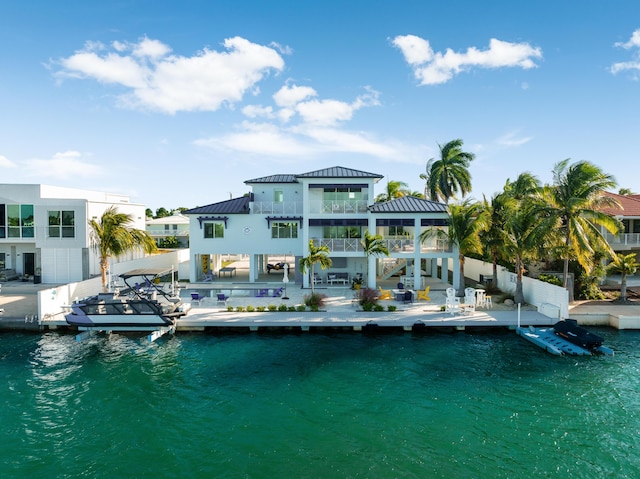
column 626, row 241
column 332, row 207
column 44, row 231
column 177, row 225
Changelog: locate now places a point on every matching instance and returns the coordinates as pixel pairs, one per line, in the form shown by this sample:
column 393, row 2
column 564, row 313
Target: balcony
column 352, row 245
column 338, row 207
column 623, row 241
column 277, row 207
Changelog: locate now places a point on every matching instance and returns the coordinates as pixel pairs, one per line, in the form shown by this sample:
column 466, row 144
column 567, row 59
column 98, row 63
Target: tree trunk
column 518, row 296
column 623, row 287
column 461, row 280
column 104, row 266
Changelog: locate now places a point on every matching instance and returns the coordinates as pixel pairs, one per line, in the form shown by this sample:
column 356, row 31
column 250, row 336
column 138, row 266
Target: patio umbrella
column 285, row 280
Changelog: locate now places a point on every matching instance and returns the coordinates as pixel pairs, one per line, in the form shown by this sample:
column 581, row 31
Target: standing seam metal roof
column 408, row 204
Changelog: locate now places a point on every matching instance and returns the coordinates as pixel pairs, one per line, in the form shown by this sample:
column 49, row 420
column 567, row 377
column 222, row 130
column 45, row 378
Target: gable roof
column 339, row 172
column 408, row 204
column 232, row 206
column 630, row 205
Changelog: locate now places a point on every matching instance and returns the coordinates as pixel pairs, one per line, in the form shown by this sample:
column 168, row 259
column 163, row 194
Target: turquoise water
column 340, row 405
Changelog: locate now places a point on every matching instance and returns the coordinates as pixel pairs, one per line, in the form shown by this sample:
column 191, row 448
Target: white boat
column 140, row 306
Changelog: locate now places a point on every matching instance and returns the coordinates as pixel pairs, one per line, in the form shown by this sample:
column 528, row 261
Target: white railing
column 625, row 239
column 400, row 245
column 338, row 207
column 276, row 207
column 434, row 244
column 156, row 233
column 347, row 245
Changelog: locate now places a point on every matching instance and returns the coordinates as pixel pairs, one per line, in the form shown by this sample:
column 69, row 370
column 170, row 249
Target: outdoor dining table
column 228, row 270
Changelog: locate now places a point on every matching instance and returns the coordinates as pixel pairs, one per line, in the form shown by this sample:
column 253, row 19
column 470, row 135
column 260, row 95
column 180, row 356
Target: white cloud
column 6, row 163
column 434, row 68
column 169, row 83
column 255, row 111
column 289, row 96
column 513, row 139
column 634, row 41
column 62, row 166
column 634, row 64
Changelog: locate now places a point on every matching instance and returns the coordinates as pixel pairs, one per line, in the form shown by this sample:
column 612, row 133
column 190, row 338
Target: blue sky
column 178, row 103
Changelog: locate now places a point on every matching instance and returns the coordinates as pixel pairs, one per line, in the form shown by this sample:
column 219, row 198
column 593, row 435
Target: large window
column 62, row 224
column 214, row 230
column 284, row 230
column 2, row 261
column 20, row 221
column 342, row 232
column 3, row 221
column 278, row 196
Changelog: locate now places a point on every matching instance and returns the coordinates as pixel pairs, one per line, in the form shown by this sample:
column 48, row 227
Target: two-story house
column 628, row 240
column 333, row 207
column 169, row 231
column 44, row 230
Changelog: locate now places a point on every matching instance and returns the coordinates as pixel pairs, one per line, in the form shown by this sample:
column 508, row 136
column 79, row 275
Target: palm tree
column 373, row 245
column 623, row 264
column 572, row 211
column 449, row 174
column 317, row 254
column 395, row 189
column 467, row 220
column 112, row 236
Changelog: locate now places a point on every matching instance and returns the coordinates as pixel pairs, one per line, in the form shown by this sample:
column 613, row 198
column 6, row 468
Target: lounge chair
column 222, row 298
column 424, row 294
column 278, row 292
column 197, row 297
column 384, row 293
column 275, row 267
column 210, row 276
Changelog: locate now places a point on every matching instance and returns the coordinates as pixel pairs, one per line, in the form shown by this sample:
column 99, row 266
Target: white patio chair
column 452, row 305
column 481, row 299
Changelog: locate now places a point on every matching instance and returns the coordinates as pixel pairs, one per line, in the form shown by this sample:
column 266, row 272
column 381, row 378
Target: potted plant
column 356, row 283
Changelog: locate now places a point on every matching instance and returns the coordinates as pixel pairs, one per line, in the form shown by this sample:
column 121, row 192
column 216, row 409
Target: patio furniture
column 451, row 293
column 275, row 267
column 228, row 270
column 209, row 276
column 222, row 298
column 316, row 278
column 424, row 294
column 197, row 297
column 400, row 286
column 481, row 299
column 452, row 305
column 278, row 292
column 487, row 302
column 408, row 297
column 384, row 293
column 262, row 293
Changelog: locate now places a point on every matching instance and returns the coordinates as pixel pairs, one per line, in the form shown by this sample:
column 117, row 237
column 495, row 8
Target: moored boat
column 569, row 330
column 134, row 308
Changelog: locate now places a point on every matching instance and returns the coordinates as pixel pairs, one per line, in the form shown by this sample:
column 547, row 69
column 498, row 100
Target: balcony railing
column 349, row 245
column 338, row 207
column 275, row 207
column 623, row 240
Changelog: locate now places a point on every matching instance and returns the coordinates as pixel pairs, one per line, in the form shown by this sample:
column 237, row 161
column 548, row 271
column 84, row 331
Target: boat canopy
column 146, row 272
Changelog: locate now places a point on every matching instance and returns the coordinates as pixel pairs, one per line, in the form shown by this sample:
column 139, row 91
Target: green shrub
column 261, row 309
column 368, row 298
column 301, row 308
column 551, row 279
column 250, row 309
column 272, row 307
column 282, row 307
column 230, row 308
column 378, row 307
column 291, row 309
column 315, row 301
column 239, row 309
column 391, row 308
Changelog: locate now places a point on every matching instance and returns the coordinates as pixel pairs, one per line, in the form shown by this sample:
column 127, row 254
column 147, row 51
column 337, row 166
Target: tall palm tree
column 317, row 255
column 373, row 245
column 449, row 174
column 394, row 189
column 467, row 220
column 112, row 236
column 572, row 211
column 624, row 265
column 518, row 221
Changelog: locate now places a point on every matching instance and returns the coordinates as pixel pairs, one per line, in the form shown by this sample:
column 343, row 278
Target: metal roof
column 339, row 172
column 233, row 206
column 408, row 204
column 285, row 178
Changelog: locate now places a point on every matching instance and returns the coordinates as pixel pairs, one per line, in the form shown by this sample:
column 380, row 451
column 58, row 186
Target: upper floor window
column 278, row 196
column 284, row 230
column 214, row 230
column 3, row 222
column 20, row 221
column 62, row 224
